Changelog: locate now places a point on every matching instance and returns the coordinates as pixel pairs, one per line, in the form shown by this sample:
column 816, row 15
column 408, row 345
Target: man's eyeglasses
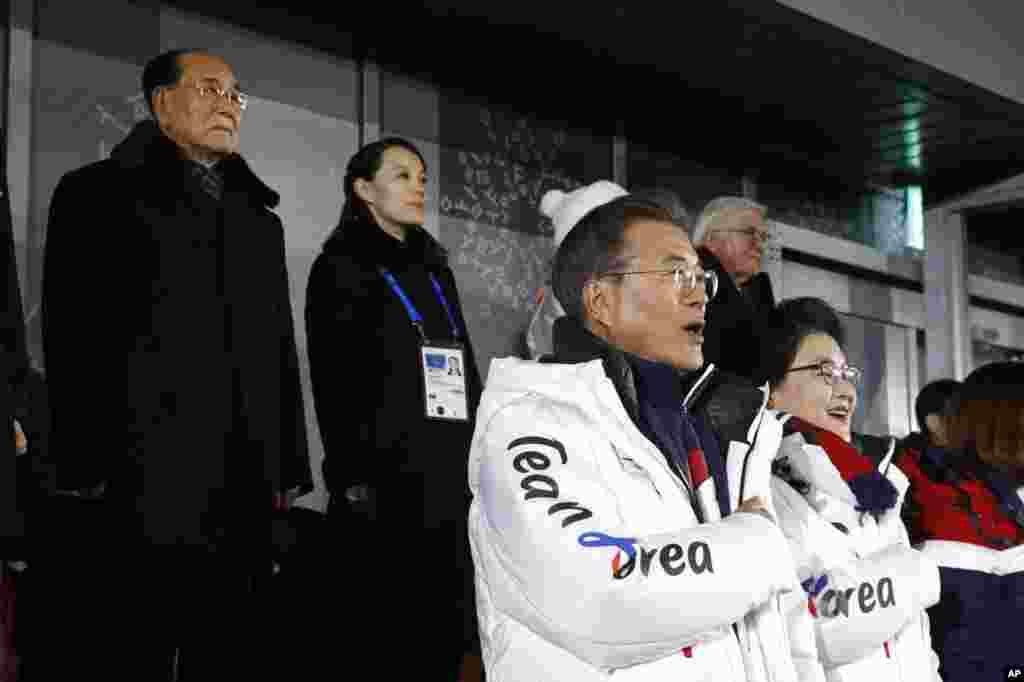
column 832, row 373
column 752, row 233
column 684, row 279
column 208, row 92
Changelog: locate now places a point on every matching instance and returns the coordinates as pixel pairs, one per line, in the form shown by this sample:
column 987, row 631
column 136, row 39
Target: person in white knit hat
column 565, row 210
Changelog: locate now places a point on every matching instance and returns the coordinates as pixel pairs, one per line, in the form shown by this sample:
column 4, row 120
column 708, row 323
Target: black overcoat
column 13, row 366
column 169, row 343
column 367, row 385
column 735, row 321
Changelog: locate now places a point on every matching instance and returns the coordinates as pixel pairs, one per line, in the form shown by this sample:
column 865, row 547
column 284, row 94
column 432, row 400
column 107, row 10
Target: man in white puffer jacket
column 620, row 517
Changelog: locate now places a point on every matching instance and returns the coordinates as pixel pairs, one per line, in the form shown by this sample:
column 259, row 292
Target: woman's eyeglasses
column 832, row 373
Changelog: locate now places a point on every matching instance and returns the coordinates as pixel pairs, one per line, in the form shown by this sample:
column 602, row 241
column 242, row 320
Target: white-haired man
column 730, row 235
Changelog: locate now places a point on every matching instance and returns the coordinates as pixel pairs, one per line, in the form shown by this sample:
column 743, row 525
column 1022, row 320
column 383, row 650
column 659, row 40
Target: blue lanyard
column 414, row 315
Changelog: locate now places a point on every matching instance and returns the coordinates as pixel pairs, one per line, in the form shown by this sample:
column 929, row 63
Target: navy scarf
column 676, row 432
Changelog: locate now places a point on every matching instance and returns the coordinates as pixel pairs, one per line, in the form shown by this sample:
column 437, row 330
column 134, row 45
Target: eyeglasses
column 752, row 233
column 207, row 92
column 832, row 373
column 684, row 279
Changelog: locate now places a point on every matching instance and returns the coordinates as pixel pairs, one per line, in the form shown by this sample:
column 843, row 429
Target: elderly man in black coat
column 174, row 378
column 730, row 234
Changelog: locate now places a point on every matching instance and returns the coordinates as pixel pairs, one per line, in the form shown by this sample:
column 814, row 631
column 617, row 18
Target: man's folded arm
column 865, row 604
column 593, row 585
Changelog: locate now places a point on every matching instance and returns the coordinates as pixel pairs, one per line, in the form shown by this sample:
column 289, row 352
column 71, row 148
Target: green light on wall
column 914, row 199
column 915, row 217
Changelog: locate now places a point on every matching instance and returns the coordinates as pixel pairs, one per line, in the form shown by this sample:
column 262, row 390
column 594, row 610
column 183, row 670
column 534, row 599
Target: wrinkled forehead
column 740, row 218
column 656, row 242
column 199, row 67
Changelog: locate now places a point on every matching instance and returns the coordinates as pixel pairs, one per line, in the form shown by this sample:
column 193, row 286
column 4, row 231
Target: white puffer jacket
column 589, row 556
column 867, row 587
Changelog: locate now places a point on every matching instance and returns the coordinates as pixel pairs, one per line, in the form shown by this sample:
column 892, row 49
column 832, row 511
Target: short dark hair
column 594, row 245
column 164, row 70
column 787, row 325
column 935, row 398
column 990, row 416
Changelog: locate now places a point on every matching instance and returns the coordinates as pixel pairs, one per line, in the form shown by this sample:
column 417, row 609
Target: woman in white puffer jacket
column 865, row 588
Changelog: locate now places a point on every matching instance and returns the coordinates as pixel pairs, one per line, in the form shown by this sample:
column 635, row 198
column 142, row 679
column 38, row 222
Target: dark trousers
column 142, row 613
column 393, row 596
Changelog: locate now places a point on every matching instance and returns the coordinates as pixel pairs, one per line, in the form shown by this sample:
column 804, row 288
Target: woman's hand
column 756, row 505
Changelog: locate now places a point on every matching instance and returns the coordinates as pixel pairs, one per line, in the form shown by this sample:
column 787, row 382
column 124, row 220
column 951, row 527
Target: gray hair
column 715, row 207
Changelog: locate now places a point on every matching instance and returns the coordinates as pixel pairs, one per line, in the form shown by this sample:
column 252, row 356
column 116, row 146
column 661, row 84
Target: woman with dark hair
column 384, row 325
column 865, row 588
column 970, row 515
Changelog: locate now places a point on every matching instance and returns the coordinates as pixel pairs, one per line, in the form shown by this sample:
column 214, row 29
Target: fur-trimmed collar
column 367, row 243
column 147, row 147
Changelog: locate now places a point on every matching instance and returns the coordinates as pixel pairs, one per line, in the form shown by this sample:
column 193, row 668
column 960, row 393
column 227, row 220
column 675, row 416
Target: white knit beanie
column 565, row 210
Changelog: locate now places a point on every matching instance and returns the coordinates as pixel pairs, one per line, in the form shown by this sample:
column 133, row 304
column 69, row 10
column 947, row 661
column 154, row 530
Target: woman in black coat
column 396, row 477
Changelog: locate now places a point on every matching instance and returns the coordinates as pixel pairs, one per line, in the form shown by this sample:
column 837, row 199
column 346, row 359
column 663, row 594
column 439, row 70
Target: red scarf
column 846, row 458
column 875, row 493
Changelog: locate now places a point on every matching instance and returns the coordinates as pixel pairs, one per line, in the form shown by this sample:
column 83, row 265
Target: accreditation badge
column 444, row 382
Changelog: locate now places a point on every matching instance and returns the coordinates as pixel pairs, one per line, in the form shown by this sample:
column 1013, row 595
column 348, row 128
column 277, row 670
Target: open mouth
column 840, row 413
column 695, row 330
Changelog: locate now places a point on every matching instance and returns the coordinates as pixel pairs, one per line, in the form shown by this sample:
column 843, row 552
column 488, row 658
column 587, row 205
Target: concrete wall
column 74, row 94
column 976, row 40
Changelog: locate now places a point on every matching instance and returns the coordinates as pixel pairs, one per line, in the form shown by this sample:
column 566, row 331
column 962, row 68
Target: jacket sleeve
column 562, row 554
column 917, row 635
column 914, row 647
column 86, row 341
column 860, row 605
column 800, row 630
column 294, row 466
column 335, row 342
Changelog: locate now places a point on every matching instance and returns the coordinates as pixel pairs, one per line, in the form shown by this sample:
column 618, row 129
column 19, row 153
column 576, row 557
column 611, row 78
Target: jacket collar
column 367, row 243
column 760, row 285
column 864, row 480
column 147, row 147
column 574, row 343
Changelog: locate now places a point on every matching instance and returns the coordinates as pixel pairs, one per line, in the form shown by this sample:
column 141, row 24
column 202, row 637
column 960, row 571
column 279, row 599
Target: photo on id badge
column 444, row 383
